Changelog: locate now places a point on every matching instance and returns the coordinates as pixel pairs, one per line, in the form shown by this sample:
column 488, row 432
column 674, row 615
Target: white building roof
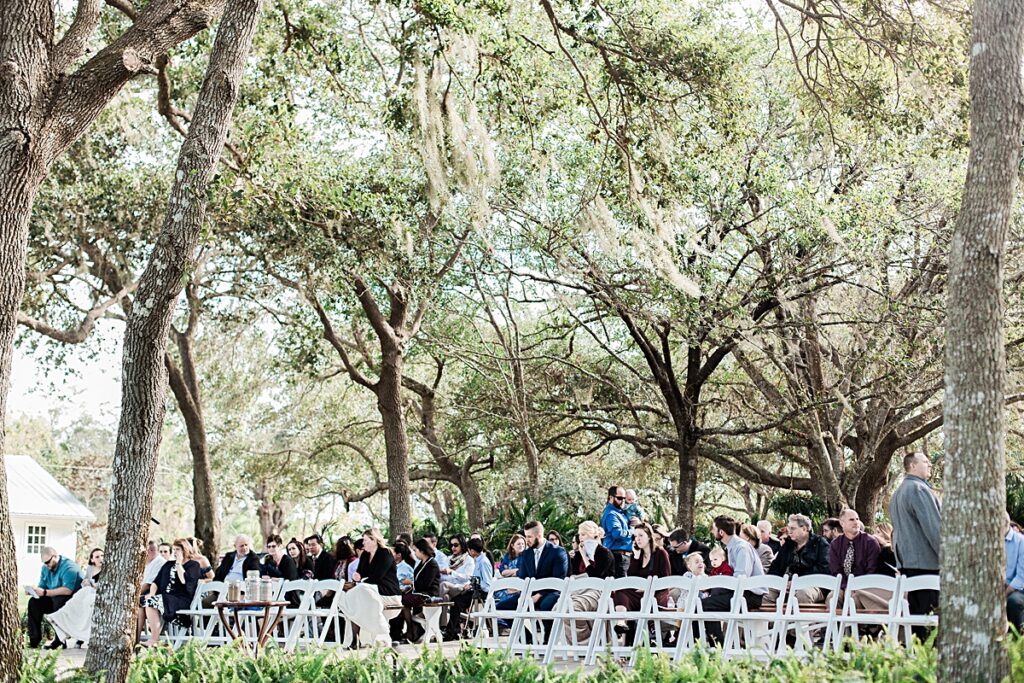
column 33, row 492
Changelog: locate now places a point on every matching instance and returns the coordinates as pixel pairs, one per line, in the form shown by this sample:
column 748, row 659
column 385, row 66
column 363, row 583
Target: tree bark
column 144, row 382
column 686, row 488
column 43, row 111
column 972, row 645
column 396, row 439
column 184, row 383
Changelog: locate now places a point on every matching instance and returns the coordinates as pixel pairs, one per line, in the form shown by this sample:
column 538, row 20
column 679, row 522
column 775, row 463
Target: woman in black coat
column 426, row 583
column 278, row 563
column 172, row 590
column 377, row 565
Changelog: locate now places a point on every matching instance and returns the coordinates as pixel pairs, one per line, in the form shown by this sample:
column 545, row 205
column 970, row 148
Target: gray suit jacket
column 915, row 520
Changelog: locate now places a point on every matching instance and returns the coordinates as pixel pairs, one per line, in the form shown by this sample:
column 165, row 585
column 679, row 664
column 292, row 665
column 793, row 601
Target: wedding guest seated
column 73, row 622
column 173, row 590
column 237, row 563
column 357, row 552
column 404, row 562
column 156, row 556
column 803, row 553
column 483, row 571
column 323, row 562
column 297, row 551
column 277, row 563
column 345, row 557
column 751, row 534
column 680, row 546
column 540, row 561
column 376, row 590
column 555, row 538
column 204, row 563
column 593, row 560
column 425, row 584
column 59, row 579
column 886, row 554
column 647, row 561
column 719, row 567
column 1014, row 575
column 509, row 565
column 764, row 528
column 439, row 556
column 855, row 553
column 455, row 578
column 831, row 529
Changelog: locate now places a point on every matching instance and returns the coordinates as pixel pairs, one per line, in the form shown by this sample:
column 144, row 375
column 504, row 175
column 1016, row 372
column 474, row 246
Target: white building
column 43, row 513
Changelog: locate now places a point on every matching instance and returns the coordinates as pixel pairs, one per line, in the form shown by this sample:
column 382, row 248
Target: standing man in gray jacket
column 915, row 519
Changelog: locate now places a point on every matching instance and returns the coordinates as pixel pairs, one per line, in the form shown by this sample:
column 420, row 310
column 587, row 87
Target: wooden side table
column 229, row 616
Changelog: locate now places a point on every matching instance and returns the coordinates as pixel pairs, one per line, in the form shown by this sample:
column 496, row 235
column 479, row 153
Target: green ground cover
column 197, row 664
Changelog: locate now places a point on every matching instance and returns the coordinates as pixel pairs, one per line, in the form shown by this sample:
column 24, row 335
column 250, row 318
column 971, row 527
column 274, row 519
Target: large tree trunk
column 44, row 109
column 144, row 382
column 686, row 503
column 972, row 645
column 184, row 383
column 396, row 440
column 16, row 194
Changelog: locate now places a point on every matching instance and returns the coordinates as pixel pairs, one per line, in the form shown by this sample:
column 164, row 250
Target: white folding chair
column 528, row 635
column 564, row 640
column 332, row 617
column 602, row 637
column 673, row 616
column 289, row 631
column 904, row 619
column 177, row 635
column 851, row 617
column 487, row 635
column 810, row 618
column 206, row 625
column 759, row 629
column 728, row 618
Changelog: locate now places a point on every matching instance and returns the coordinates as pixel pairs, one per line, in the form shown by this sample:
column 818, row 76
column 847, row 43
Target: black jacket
column 678, row 560
column 380, row 571
column 426, row 578
column 251, row 563
column 811, row 559
column 323, row 567
column 602, row 567
column 285, row 570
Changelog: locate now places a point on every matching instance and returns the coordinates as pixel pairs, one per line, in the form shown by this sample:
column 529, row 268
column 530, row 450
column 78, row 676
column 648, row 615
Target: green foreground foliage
column 195, row 664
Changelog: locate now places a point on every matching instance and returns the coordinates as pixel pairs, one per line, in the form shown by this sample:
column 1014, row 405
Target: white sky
column 87, row 383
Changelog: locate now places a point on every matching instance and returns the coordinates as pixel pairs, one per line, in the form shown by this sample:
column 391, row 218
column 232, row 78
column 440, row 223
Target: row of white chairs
column 761, row 633
column 305, row 625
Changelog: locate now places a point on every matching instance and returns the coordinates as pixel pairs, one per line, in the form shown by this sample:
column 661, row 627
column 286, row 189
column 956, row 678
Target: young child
column 719, row 567
column 633, row 509
column 694, row 569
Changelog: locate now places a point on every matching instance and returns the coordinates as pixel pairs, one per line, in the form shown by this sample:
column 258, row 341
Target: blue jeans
column 1015, row 609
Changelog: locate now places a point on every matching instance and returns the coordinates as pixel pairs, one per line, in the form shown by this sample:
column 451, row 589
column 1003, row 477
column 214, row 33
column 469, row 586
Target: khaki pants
column 808, row 596
column 872, row 599
column 582, row 601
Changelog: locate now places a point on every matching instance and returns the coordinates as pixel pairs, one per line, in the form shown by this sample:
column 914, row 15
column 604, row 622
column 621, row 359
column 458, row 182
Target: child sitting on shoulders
column 635, row 513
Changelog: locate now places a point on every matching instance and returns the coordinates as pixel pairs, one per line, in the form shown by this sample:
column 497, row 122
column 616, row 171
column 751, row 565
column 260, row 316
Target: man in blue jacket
column 618, row 537
column 540, row 560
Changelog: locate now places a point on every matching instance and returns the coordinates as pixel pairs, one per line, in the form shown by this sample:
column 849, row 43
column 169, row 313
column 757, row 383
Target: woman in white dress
column 73, row 621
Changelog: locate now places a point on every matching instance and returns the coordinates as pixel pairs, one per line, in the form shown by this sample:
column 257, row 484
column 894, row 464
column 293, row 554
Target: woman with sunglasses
column 455, row 578
column 277, row 562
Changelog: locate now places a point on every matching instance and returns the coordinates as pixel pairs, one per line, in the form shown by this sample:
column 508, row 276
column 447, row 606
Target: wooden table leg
column 268, row 626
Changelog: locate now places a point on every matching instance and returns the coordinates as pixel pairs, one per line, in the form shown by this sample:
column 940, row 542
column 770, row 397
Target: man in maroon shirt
column 855, row 553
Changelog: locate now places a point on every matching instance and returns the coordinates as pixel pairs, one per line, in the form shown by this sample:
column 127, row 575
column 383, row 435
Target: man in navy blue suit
column 540, row 560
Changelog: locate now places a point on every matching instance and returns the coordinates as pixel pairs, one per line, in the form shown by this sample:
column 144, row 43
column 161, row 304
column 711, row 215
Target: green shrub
column 198, row 664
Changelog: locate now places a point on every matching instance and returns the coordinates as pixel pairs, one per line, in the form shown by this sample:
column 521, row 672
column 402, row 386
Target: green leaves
column 860, row 663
